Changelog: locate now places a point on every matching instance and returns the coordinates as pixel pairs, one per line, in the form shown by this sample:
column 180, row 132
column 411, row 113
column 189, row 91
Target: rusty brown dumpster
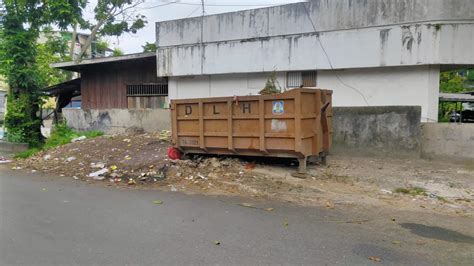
column 294, row 124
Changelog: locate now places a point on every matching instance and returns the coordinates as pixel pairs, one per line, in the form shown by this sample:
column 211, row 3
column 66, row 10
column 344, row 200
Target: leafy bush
column 61, row 134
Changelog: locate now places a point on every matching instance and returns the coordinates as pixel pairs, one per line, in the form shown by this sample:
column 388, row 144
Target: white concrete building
column 376, row 52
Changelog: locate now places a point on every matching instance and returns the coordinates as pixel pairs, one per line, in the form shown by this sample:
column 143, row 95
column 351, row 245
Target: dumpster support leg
column 302, row 165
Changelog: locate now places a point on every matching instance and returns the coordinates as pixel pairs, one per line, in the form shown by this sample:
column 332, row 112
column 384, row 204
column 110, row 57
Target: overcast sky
column 160, row 10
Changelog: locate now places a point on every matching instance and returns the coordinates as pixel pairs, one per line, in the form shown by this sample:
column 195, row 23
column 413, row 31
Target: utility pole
column 203, row 9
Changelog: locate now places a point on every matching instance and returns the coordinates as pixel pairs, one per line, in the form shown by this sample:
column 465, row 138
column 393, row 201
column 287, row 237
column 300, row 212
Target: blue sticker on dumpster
column 278, row 107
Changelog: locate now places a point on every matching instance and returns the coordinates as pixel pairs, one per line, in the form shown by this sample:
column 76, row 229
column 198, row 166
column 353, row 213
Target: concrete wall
column 448, row 141
column 392, row 131
column 417, row 85
column 326, row 15
column 118, row 120
column 396, row 45
column 220, row 85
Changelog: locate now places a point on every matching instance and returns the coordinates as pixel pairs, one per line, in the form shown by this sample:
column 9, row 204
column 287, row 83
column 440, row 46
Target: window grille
column 153, row 89
column 297, row 79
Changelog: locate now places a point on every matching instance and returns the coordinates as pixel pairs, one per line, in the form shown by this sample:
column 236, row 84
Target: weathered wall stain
column 379, row 130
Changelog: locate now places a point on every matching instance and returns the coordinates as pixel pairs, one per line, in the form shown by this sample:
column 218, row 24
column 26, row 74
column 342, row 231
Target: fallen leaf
column 286, row 224
column 374, row 258
column 157, row 202
column 396, row 242
column 329, row 205
column 113, row 167
column 269, row 209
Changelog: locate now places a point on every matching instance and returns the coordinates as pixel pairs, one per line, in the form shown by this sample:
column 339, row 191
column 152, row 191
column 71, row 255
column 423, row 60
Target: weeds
column 61, row 134
column 414, row 191
column 28, row 153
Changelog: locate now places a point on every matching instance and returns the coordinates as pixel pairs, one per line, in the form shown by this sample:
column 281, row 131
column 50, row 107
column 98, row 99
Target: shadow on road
column 439, row 233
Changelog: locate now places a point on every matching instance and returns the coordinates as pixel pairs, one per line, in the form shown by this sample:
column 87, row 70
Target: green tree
column 450, row 82
column 149, row 47
column 100, row 47
column 20, row 26
column 112, row 18
column 54, row 49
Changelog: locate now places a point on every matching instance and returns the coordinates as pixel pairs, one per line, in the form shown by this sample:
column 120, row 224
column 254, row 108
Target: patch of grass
column 61, row 134
column 28, row 153
column 443, row 199
column 414, row 191
column 93, row 134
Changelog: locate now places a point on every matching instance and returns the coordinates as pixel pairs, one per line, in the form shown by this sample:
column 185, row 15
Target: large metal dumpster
column 295, row 124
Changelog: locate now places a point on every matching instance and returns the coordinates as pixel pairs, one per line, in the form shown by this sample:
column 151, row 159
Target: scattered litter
column 164, row 135
column 97, row 165
column 16, row 168
column 33, row 171
column 4, row 160
column 374, row 258
column 47, row 157
column 98, row 175
column 329, row 205
column 157, row 202
column 131, row 182
column 75, row 178
column 217, row 243
column 79, row 139
column 173, row 188
column 70, row 159
column 385, row 191
column 174, row 154
column 286, row 224
column 249, row 205
column 44, row 189
column 462, row 172
column 127, row 140
column 113, row 167
column 357, row 221
column 396, row 242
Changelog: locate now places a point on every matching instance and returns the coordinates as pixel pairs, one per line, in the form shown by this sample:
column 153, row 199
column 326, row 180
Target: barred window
column 304, row 78
column 151, row 89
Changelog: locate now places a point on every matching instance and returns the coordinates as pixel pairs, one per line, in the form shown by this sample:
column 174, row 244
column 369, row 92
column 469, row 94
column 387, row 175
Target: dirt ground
column 141, row 161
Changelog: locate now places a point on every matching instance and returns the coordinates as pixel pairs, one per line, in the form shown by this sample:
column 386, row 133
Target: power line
column 329, row 60
column 194, row 10
column 222, row 5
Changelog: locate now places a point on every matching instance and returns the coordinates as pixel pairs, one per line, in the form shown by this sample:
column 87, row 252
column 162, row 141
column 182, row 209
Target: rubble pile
column 130, row 159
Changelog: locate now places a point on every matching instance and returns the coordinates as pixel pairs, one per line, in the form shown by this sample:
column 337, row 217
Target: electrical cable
column 222, row 5
column 196, row 9
column 327, row 56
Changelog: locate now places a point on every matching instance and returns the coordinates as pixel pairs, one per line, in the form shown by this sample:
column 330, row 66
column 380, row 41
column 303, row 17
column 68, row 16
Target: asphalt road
column 45, row 221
